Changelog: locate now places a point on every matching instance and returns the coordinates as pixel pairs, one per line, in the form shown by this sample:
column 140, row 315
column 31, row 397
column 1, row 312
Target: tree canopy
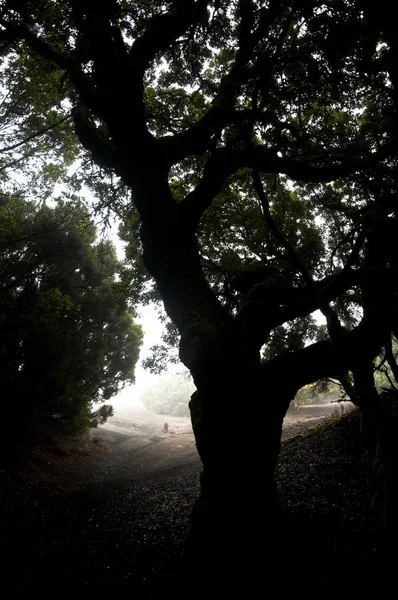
column 274, row 130
column 68, row 339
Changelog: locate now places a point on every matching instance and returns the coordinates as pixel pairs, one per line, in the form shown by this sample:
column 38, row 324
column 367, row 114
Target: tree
column 68, row 339
column 259, row 142
column 169, row 395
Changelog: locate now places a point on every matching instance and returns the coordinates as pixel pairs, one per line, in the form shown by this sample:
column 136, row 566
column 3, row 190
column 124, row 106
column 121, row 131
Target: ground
column 109, row 512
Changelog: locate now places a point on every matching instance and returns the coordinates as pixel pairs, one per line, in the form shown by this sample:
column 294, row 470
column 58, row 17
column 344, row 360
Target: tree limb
column 323, row 359
column 102, row 150
column 257, row 320
column 163, row 30
column 391, row 358
column 34, row 135
column 278, row 234
column 266, row 160
column 333, row 322
column 223, row 162
column 196, row 202
column 22, row 31
column 196, row 139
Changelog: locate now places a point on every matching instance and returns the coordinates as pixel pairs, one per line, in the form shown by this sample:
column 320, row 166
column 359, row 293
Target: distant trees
column 67, row 335
column 169, row 395
column 320, row 391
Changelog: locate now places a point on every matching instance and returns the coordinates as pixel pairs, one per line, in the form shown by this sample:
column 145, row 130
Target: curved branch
column 196, row 202
column 223, row 162
column 197, row 138
column 333, row 322
column 164, row 30
column 64, row 61
column 279, row 236
column 267, row 160
column 258, row 320
column 391, row 358
column 323, row 359
column 102, row 150
column 356, row 248
column 34, row 135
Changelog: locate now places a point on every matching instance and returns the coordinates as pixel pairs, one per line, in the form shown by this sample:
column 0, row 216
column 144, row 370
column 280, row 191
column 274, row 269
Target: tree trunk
column 387, row 431
column 235, row 520
column 237, row 433
column 381, row 410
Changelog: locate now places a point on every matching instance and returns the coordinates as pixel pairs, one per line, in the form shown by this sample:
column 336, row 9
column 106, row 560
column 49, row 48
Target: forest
column 248, row 150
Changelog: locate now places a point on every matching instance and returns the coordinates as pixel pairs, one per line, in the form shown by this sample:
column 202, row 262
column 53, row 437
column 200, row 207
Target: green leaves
column 181, row 116
column 37, row 140
column 68, row 338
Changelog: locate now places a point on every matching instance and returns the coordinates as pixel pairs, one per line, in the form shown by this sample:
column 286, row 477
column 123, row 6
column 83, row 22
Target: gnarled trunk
column 237, row 425
column 237, row 420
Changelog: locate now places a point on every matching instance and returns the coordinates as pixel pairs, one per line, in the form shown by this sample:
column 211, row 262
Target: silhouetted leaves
column 68, row 338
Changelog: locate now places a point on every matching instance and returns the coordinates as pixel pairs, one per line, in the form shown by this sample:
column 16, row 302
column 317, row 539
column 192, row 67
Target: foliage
column 38, row 145
column 258, row 144
column 68, row 339
column 321, row 391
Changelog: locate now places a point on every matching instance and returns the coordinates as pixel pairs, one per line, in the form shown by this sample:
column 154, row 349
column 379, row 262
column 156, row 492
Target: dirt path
column 307, row 416
column 111, row 512
column 140, row 449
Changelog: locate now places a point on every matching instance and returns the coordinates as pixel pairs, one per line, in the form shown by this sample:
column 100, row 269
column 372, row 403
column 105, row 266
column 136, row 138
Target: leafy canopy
column 265, row 129
column 68, row 338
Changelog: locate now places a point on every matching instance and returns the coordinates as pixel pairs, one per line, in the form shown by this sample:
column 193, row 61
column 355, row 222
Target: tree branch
column 257, row 320
column 391, row 358
column 17, row 160
column 163, row 30
column 352, row 259
column 323, row 359
column 267, row 160
column 34, row 135
column 196, row 202
column 333, row 322
column 278, row 234
column 196, row 139
column 223, row 162
column 102, row 150
column 22, row 31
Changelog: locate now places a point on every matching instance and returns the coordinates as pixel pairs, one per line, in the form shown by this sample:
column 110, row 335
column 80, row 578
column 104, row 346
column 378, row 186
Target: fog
column 131, row 395
column 134, row 416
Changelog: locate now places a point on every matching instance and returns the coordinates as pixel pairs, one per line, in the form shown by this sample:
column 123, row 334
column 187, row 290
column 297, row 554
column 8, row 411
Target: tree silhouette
column 258, row 140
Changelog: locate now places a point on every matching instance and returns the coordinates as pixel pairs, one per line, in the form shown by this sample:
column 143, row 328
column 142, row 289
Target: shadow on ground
column 110, row 512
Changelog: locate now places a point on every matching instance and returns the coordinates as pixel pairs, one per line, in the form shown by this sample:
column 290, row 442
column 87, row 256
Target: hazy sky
column 153, row 328
column 152, row 332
